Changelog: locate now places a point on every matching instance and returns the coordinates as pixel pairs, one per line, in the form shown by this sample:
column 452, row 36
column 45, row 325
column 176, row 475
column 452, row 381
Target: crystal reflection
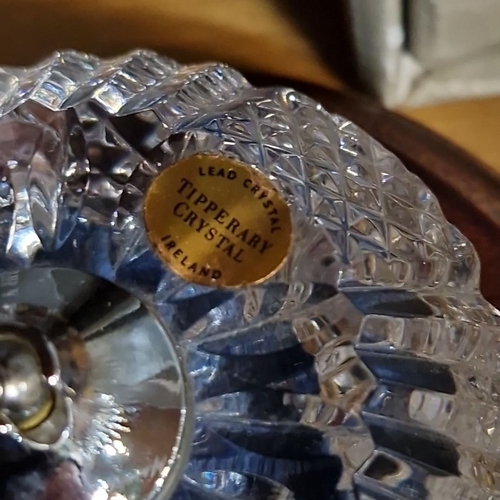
column 124, row 382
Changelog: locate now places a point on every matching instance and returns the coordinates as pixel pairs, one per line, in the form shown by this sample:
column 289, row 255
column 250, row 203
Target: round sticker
column 217, row 222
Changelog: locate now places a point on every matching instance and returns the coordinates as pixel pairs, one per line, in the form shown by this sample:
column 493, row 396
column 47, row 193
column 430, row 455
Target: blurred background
column 436, row 61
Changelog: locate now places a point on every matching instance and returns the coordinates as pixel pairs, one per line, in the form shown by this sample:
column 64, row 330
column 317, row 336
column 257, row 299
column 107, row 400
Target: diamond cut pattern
column 384, row 208
column 365, row 370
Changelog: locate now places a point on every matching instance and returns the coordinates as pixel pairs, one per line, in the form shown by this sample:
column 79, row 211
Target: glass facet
column 365, row 368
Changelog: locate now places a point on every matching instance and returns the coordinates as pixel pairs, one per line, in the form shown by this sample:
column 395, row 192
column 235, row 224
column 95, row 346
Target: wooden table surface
column 473, row 125
column 255, row 35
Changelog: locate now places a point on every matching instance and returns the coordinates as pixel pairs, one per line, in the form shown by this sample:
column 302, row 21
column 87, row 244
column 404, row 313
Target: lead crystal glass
column 366, row 368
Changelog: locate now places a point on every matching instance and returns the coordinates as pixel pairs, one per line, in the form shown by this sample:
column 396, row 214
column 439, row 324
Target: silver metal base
column 90, row 377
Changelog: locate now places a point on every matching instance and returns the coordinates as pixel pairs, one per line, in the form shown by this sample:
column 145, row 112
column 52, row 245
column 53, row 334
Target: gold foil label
column 217, row 222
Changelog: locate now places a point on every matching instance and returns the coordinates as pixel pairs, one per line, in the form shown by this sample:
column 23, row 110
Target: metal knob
column 25, row 394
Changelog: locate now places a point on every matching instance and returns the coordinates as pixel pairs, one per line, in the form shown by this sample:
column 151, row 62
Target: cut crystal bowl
column 364, row 366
